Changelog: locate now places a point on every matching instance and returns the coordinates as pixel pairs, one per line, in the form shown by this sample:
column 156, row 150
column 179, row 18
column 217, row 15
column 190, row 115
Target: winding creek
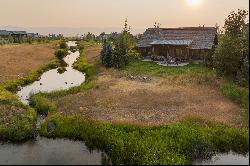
column 63, row 151
column 52, row 80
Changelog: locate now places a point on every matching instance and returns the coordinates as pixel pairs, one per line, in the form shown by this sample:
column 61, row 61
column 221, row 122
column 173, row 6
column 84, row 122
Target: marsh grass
column 42, row 105
column 172, row 144
column 17, row 125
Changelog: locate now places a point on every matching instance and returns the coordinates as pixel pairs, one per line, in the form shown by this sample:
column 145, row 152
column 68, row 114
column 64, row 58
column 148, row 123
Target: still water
column 52, row 80
column 48, row 151
column 230, row 158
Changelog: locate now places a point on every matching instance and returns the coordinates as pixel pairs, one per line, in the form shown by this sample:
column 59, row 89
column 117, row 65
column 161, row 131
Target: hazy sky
column 112, row 13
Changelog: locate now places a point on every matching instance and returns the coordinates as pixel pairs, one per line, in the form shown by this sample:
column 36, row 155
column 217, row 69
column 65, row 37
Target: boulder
column 51, row 126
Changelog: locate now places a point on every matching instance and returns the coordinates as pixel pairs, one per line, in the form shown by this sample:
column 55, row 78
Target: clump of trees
column 231, row 57
column 118, row 57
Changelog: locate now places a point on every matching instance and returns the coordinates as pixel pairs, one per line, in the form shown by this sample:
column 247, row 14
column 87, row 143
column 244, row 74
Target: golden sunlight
column 194, row 2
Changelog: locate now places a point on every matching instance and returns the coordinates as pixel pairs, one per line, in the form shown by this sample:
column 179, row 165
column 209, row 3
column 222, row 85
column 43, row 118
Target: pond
column 230, row 158
column 52, row 80
column 49, row 151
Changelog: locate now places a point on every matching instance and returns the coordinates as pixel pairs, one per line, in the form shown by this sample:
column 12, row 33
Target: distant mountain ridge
column 66, row 31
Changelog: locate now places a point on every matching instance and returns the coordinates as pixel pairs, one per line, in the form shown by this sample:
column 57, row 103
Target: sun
column 194, row 2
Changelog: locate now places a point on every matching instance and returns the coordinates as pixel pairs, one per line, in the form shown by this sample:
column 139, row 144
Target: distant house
column 4, row 33
column 18, row 34
column 15, row 34
column 188, row 43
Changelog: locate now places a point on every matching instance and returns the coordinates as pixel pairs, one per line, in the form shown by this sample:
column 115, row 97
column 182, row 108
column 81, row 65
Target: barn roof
column 194, row 37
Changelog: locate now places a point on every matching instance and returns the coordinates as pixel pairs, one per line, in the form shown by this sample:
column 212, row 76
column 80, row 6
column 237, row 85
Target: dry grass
column 18, row 60
column 8, row 112
column 159, row 101
column 93, row 53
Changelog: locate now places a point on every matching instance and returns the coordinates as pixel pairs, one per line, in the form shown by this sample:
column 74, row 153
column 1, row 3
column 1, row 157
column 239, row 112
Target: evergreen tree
column 106, row 54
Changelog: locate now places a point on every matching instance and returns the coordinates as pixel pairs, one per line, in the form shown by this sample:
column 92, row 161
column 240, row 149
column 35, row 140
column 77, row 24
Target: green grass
column 238, row 94
column 20, row 127
column 151, row 68
column 42, row 105
column 173, row 144
column 82, row 66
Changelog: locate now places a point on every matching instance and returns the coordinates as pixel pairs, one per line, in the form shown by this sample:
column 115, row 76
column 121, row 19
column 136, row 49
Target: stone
column 51, row 126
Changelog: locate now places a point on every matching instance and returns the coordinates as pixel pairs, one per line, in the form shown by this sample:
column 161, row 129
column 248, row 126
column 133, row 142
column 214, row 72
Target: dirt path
column 18, row 60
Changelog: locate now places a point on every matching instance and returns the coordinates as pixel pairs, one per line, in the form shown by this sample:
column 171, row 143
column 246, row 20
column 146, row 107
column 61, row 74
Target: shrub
column 20, row 127
column 63, row 45
column 106, row 54
column 61, row 53
column 227, row 57
column 42, row 105
column 61, row 70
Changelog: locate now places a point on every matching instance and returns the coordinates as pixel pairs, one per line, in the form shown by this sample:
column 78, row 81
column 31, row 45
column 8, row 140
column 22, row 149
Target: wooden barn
column 182, row 44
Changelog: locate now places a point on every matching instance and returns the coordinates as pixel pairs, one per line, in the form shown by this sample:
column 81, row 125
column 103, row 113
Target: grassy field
column 190, row 106
column 174, row 116
column 18, row 60
column 171, row 95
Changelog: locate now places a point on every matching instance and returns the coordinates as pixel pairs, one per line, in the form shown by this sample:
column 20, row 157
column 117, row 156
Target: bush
column 243, row 74
column 20, row 128
column 61, row 70
column 42, row 105
column 63, row 45
column 106, row 54
column 228, row 56
column 61, row 53
column 120, row 53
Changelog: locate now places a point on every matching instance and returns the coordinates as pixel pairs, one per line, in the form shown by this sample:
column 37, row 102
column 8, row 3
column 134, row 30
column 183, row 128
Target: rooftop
column 194, row 37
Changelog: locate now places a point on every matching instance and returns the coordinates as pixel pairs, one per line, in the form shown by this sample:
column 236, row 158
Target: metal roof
column 200, row 37
column 171, row 42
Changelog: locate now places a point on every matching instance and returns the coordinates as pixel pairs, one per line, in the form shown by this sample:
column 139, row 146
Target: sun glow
column 194, row 2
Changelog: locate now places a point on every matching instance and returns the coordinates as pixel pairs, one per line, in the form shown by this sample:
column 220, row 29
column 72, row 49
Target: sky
column 110, row 14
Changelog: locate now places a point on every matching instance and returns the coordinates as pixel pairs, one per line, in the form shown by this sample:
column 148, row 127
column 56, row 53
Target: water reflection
column 52, row 80
column 226, row 159
column 49, row 151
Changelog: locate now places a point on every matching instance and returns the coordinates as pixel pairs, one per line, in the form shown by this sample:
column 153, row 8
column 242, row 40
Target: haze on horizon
column 101, row 14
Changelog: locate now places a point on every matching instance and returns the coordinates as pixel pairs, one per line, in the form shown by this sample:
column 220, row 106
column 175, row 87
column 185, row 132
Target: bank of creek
column 64, row 151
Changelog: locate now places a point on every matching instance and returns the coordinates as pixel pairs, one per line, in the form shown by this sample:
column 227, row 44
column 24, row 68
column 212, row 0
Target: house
column 4, row 33
column 18, row 34
column 185, row 44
